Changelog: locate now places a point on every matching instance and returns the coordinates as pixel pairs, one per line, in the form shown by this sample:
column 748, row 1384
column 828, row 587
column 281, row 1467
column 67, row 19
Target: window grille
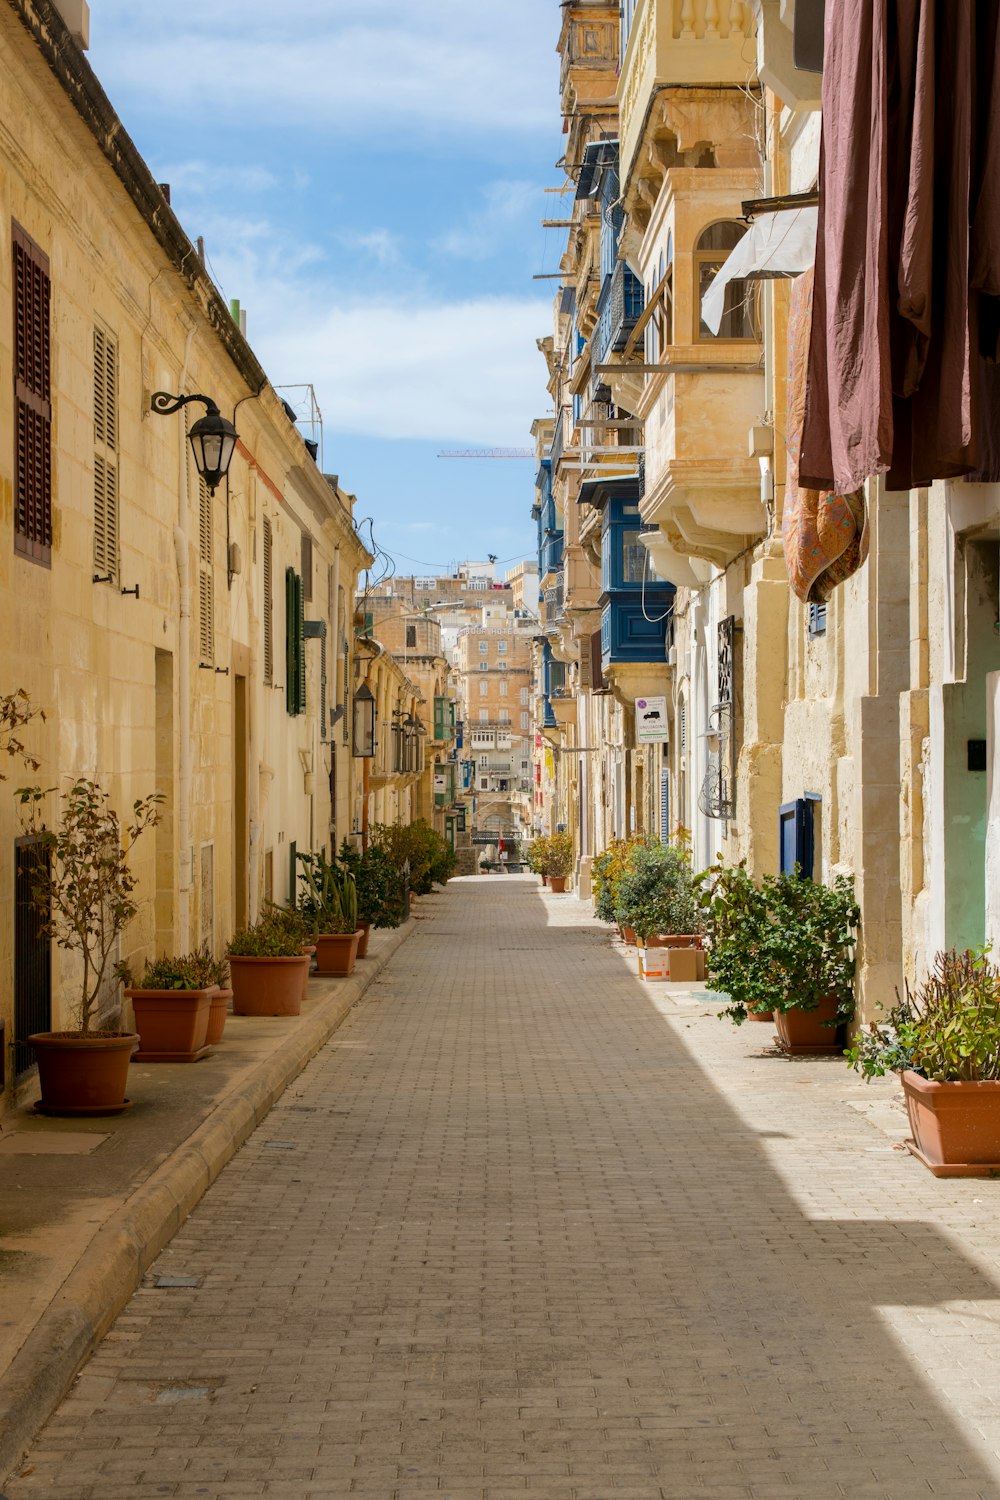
column 32, row 400
column 105, row 455
column 411, row 637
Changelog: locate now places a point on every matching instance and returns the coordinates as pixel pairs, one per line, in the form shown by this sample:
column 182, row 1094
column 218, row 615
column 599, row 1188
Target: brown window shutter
column 32, row 400
column 307, row 567
column 105, row 454
column 206, row 614
column 268, row 615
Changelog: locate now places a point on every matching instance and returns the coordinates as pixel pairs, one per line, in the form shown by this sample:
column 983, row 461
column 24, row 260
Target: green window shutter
column 440, row 707
column 295, row 643
column 291, row 637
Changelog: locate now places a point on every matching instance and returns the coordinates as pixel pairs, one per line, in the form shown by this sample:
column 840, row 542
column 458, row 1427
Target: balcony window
column 637, row 566
column 739, row 320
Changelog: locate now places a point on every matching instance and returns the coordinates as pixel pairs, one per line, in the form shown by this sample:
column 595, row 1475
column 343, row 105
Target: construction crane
column 490, row 453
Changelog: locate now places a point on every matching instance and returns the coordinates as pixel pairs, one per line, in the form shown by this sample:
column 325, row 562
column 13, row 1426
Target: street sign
column 651, row 721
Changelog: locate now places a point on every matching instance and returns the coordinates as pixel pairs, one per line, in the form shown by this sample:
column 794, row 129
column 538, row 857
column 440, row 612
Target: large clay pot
column 629, row 935
column 802, row 1032
column 268, row 986
column 557, row 884
column 83, row 1075
column 365, row 929
column 956, row 1126
column 172, row 1024
column 218, row 1010
column 336, row 953
column 767, row 1016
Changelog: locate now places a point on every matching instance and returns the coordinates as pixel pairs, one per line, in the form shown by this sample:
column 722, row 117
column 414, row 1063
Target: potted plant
column 656, row 898
column 380, row 886
column 537, row 856
column 84, row 891
column 268, row 968
column 418, row 846
column 214, row 976
column 171, row 1004
column 783, row 945
column 943, row 1039
column 329, row 903
column 558, row 860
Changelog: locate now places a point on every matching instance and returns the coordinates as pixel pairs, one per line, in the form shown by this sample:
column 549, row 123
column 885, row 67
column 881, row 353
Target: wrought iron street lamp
column 364, row 722
column 212, row 438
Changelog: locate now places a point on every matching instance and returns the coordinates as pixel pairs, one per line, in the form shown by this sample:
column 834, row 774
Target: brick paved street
column 528, row 1228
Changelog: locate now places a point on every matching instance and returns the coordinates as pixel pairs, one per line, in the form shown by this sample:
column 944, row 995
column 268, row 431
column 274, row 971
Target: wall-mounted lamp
column 364, row 722
column 212, row 438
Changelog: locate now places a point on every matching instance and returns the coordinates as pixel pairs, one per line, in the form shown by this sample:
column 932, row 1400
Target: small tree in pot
column 557, row 859
column 84, row 891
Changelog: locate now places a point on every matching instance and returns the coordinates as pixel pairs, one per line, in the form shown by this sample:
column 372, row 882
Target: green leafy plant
column 783, row 943
column 380, row 886
column 430, row 858
column 656, row 893
column 84, row 888
column 947, row 1029
column 328, row 899
column 606, row 873
column 557, row 854
column 280, row 932
column 16, row 712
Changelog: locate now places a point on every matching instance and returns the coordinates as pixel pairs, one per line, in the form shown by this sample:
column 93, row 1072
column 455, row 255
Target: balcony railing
column 619, row 308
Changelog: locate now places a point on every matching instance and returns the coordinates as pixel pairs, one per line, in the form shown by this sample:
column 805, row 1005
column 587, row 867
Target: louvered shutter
column 300, row 638
column 105, row 455
column 32, row 397
column 291, row 631
column 206, row 578
column 268, row 606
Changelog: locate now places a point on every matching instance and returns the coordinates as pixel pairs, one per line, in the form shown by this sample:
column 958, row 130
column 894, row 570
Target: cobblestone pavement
column 530, row 1228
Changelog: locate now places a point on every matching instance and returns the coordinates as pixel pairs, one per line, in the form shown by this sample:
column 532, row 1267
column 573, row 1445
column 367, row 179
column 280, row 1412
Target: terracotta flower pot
column 172, row 1024
column 217, row 1013
column 956, row 1126
column 83, row 1075
column 268, row 986
column 767, row 1016
column 629, row 935
column 336, row 953
column 557, row 884
column 802, row 1032
column 365, row 929
column 674, row 940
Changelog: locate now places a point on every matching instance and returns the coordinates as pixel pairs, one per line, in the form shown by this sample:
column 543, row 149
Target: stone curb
column 115, row 1261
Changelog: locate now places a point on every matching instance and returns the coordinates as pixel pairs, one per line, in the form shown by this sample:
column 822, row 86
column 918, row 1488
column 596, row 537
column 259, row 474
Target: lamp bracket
column 165, row 404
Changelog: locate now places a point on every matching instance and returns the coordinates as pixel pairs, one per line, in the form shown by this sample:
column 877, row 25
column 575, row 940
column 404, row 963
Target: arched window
column 739, row 320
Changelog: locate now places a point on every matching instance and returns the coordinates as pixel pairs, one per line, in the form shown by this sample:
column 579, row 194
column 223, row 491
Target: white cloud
column 453, row 65
column 381, row 245
column 401, row 364
column 200, row 178
column 506, row 204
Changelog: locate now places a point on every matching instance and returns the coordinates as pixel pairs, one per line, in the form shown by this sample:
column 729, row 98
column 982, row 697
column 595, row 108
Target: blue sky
column 370, row 182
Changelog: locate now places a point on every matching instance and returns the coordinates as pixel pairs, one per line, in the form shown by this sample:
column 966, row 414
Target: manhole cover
column 170, row 1281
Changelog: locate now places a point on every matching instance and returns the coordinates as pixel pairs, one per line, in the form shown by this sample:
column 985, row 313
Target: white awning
column 776, row 244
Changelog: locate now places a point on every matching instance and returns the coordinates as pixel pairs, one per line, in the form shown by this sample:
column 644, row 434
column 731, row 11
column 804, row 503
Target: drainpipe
column 186, row 759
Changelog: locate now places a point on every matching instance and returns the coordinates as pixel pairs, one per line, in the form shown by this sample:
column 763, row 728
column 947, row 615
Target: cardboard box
column 685, row 965
column 654, row 963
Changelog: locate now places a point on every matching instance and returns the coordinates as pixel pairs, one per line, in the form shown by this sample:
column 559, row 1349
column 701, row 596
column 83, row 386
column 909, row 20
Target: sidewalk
column 530, row 1229
column 86, row 1205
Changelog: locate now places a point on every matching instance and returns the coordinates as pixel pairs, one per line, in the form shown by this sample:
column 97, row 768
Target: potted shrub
column 214, row 976
column 783, row 945
column 537, row 856
column 171, row 1004
column 329, row 903
column 430, row 858
column 607, row 872
column 558, row 860
column 84, row 892
column 381, row 889
column 656, row 898
column 943, row 1039
column 268, row 968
